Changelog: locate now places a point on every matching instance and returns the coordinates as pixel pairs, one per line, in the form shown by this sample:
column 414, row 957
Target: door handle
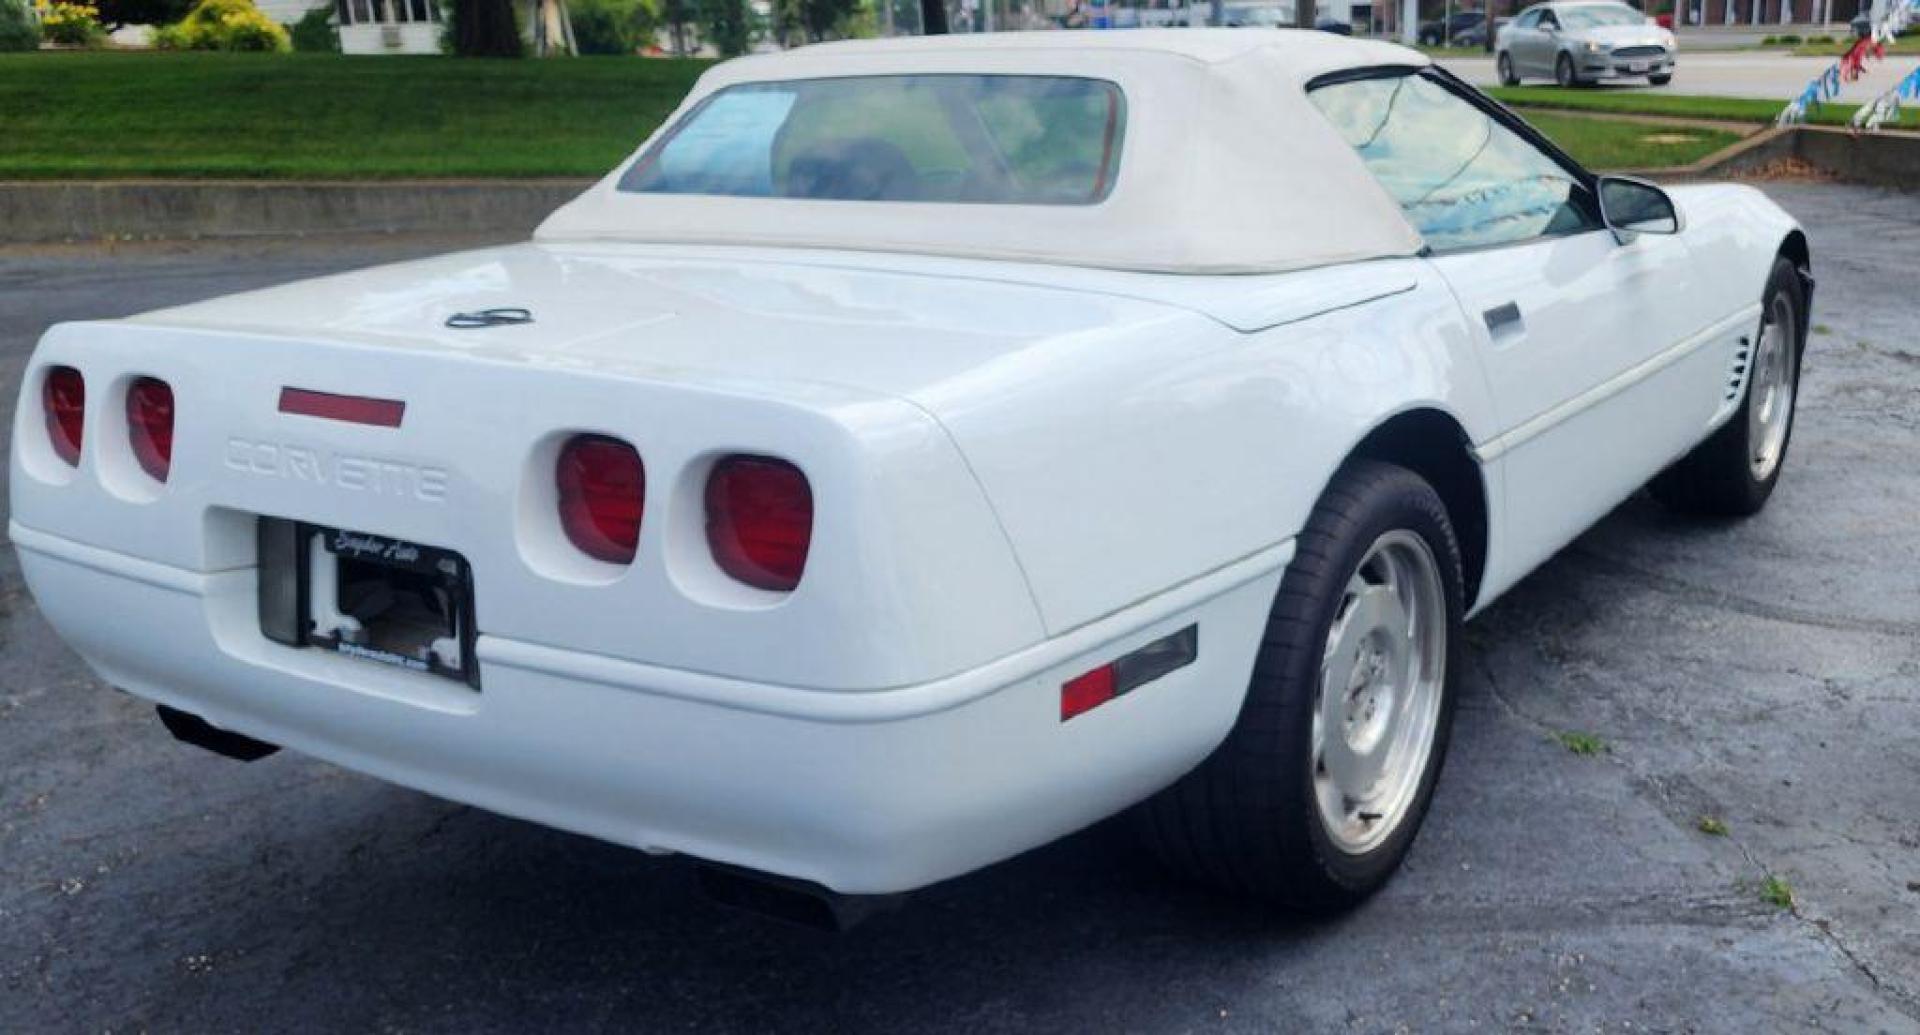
column 1502, row 317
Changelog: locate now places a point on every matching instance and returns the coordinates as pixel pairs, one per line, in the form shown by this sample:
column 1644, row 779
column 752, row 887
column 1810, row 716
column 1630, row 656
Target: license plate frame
column 289, row 551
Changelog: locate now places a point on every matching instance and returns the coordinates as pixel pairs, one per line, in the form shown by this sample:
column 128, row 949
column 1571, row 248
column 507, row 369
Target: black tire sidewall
column 1393, row 498
column 1563, row 72
column 1784, row 278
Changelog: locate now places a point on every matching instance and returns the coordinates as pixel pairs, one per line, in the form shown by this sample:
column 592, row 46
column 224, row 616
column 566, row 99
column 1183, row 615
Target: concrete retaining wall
column 1876, row 159
column 35, row 212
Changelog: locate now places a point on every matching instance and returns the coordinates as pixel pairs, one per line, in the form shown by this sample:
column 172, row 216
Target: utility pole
column 1303, row 14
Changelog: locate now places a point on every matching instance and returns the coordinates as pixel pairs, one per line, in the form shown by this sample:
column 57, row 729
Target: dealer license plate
column 369, row 597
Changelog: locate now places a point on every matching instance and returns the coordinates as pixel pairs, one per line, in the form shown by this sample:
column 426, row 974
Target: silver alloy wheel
column 1381, row 678
column 1770, row 399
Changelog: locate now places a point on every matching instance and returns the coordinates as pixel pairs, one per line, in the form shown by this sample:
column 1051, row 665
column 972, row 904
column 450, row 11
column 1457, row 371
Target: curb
column 36, row 212
column 1884, row 159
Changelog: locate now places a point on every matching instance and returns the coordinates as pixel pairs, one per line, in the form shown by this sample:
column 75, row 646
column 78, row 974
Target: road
column 1765, row 673
column 1732, row 74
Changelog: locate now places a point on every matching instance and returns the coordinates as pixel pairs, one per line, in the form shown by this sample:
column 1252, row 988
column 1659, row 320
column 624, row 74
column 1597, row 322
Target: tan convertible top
column 1226, row 167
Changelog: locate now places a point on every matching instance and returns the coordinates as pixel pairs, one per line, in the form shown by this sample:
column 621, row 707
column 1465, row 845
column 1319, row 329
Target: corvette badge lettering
column 374, row 475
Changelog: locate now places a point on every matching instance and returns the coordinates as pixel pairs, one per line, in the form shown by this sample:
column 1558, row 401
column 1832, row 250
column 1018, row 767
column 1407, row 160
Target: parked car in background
column 1583, row 42
column 911, row 455
column 1451, row 30
column 1480, row 35
column 1335, row 26
column 1251, row 16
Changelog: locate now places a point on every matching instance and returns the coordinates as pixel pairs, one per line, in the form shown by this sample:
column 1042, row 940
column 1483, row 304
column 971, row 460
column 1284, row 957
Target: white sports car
column 920, row 450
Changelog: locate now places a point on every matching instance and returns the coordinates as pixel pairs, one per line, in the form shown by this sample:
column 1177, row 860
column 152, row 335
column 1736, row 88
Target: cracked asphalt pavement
column 1764, row 675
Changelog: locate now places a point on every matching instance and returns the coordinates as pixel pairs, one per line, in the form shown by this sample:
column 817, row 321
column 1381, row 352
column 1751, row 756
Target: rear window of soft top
column 976, row 139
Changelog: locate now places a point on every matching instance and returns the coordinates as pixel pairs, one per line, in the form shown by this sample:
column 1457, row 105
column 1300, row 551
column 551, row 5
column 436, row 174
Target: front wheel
column 1659, row 80
column 1315, row 796
column 1563, row 72
column 1505, row 65
column 1733, row 473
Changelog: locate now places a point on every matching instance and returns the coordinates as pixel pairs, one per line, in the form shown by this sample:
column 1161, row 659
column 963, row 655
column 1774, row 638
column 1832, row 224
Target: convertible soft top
column 1226, row 167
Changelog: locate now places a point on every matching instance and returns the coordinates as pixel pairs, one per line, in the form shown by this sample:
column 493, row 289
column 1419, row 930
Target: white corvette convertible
column 920, row 450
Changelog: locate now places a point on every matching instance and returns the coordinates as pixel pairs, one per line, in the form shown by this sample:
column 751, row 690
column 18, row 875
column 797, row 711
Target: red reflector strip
column 1085, row 693
column 1129, row 672
column 358, row 409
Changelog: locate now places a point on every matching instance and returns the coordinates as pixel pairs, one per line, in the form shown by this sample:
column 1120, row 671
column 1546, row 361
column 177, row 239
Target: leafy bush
column 223, row 25
column 612, row 26
column 315, row 33
column 17, row 30
column 70, row 24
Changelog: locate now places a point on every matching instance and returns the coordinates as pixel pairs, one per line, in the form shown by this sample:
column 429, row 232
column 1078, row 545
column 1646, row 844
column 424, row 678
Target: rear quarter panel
column 1128, row 463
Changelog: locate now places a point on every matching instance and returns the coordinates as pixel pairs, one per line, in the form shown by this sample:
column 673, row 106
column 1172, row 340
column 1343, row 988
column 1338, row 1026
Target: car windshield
column 1597, row 16
column 984, row 139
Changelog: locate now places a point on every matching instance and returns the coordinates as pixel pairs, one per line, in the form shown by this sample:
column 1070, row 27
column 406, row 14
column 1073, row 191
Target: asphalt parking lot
column 1765, row 674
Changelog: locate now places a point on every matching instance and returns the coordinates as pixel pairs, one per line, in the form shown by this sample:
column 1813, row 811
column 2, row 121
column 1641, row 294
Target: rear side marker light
column 760, row 520
column 603, row 490
column 64, row 398
column 1088, row 691
column 356, row 409
column 150, row 425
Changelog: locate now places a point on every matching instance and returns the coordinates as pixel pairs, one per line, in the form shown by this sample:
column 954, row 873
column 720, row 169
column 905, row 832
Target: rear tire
column 1733, row 473
column 1314, row 798
column 1505, row 65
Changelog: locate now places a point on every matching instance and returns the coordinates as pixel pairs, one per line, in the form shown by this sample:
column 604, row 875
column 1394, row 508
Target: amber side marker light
column 1127, row 673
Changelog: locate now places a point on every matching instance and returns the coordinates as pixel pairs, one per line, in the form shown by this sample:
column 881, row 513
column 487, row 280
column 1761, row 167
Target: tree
column 676, row 14
column 933, row 17
column 724, row 25
column 814, row 20
column 116, row 13
column 485, row 28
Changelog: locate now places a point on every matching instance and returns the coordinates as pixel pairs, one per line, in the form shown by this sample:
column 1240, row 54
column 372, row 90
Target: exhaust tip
column 797, row 902
column 197, row 731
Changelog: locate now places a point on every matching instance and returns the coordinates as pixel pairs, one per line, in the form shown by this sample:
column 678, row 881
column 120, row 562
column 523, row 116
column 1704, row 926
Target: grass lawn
column 98, row 115
column 1642, row 102
column 1614, row 144
column 72, row 115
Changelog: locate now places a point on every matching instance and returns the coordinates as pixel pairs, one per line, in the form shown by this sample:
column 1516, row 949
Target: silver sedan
column 1584, row 42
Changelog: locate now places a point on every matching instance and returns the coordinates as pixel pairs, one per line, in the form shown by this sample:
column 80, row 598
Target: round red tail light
column 150, row 425
column 760, row 520
column 603, row 489
column 64, row 398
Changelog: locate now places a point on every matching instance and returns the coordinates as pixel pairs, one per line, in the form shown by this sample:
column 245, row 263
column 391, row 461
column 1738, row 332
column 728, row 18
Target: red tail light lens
column 150, row 425
column 64, row 397
column 760, row 520
column 603, row 489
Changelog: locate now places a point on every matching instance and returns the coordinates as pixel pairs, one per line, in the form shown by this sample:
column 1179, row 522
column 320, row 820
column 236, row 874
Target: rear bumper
column 863, row 792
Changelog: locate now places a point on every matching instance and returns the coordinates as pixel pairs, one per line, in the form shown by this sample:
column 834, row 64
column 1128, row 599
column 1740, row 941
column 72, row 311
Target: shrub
column 223, row 25
column 70, row 24
column 315, row 33
column 612, row 26
column 17, row 30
